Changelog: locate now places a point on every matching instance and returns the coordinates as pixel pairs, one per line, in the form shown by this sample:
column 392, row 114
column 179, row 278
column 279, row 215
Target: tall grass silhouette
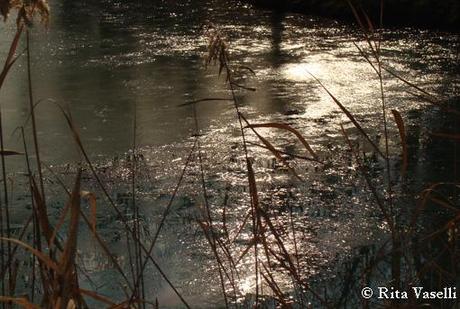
column 55, row 271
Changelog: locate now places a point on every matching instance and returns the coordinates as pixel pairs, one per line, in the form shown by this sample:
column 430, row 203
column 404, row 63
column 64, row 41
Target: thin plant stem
column 160, row 226
column 6, row 203
column 10, row 60
column 34, row 218
column 254, row 201
column 208, row 211
column 136, row 207
column 32, row 113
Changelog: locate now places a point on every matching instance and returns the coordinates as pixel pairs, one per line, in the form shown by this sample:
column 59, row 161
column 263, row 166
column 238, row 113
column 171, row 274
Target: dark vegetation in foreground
column 427, row 14
column 417, row 251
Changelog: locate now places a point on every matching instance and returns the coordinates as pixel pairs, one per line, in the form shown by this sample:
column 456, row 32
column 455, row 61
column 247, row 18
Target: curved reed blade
column 21, row 301
column 10, row 59
column 371, row 187
column 127, row 304
column 350, row 116
column 60, row 223
column 40, row 255
column 275, row 288
column 426, row 196
column 128, row 228
column 367, row 31
column 286, row 127
column 9, row 262
column 7, row 153
column 272, row 148
column 255, row 220
column 66, row 268
column 287, row 153
column 68, row 256
column 402, row 134
column 42, row 213
column 243, row 87
column 430, row 98
column 277, row 154
column 252, row 242
column 205, row 100
column 97, row 297
column 107, row 252
column 93, row 231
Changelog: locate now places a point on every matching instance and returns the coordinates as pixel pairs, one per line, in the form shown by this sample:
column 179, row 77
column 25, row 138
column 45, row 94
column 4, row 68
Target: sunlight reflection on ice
column 300, row 71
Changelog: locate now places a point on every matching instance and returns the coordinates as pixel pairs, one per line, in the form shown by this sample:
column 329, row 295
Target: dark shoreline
column 441, row 15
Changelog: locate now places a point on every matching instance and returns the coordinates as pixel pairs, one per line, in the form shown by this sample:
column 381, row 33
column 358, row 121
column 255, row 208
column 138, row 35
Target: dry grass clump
column 54, row 261
column 398, row 251
column 26, row 10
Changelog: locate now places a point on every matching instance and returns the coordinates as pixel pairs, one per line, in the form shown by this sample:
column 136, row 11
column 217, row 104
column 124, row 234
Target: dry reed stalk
column 9, row 62
column 218, row 53
column 374, row 46
column 402, row 134
column 91, row 223
column 34, row 123
column 139, row 270
column 272, row 149
column 59, row 275
column 350, row 116
column 425, row 95
column 7, row 216
column 209, row 230
column 371, row 187
column 163, row 219
column 288, row 128
column 101, row 185
column 295, row 156
column 34, row 219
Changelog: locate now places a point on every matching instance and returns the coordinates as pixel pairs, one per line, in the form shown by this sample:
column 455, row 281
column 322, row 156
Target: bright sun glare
column 299, row 71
